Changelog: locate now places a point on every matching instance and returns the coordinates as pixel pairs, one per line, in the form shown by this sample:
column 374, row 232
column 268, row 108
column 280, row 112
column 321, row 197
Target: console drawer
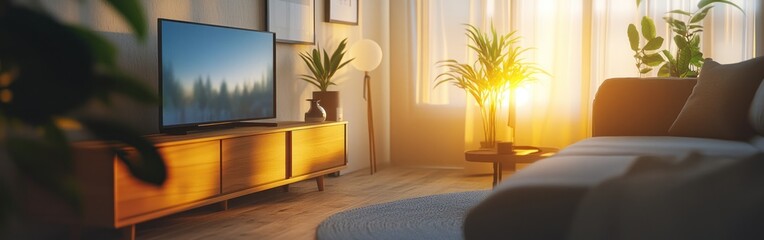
column 193, row 173
column 317, row 149
column 253, row 160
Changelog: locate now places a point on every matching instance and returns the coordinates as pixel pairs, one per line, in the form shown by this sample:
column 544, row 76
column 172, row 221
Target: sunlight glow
column 523, row 95
column 490, row 8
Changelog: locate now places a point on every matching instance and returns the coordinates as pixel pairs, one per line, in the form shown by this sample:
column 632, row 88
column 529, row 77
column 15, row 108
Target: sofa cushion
column 668, row 146
column 719, row 104
column 540, row 201
column 757, row 110
column 695, row 197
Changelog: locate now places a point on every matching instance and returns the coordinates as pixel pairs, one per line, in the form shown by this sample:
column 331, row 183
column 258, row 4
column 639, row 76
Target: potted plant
column 49, row 72
column 498, row 69
column 322, row 68
column 687, row 27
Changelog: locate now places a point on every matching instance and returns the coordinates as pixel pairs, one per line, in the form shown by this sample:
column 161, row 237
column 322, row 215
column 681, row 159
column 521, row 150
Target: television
column 214, row 76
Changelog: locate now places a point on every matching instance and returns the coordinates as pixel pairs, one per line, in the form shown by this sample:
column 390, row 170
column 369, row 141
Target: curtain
column 580, row 43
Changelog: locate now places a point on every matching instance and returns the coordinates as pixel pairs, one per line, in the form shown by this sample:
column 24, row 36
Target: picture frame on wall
column 293, row 21
column 342, row 11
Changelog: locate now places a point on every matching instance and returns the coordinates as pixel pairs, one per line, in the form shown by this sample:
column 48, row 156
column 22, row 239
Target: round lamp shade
column 367, row 54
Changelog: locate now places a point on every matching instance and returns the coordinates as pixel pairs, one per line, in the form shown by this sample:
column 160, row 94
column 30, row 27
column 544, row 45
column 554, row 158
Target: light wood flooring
column 275, row 214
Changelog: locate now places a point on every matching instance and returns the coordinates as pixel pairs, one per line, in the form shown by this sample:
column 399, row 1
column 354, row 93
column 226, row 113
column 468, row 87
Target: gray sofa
column 627, row 180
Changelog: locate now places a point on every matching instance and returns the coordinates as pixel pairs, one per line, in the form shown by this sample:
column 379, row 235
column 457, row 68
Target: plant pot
column 330, row 100
column 504, row 147
column 316, row 113
column 487, row 145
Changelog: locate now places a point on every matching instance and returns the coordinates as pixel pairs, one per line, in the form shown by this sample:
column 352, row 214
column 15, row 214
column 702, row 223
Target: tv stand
column 204, row 168
column 255, row 124
column 217, row 126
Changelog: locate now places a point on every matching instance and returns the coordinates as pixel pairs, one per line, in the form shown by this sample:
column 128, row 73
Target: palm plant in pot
column 322, row 68
column 498, row 69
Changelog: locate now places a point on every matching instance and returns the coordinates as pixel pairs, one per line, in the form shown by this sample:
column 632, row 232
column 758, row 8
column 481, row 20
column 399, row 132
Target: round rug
column 430, row 217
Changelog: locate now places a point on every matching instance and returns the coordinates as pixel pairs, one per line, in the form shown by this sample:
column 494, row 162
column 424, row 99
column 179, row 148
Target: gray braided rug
column 429, row 217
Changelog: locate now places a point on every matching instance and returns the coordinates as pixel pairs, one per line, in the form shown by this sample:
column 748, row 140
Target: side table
column 520, row 154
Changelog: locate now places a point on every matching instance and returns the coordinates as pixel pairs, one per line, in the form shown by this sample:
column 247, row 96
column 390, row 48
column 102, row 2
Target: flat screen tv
column 213, row 75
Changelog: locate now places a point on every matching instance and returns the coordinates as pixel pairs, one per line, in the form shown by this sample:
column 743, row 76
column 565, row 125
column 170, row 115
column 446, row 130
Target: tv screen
column 214, row 74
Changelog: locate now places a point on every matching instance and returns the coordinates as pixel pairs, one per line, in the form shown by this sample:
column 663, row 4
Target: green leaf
column 680, row 12
column 677, row 26
column 653, row 59
column 695, row 42
column 498, row 66
column 323, row 66
column 648, row 28
column 664, row 71
column 103, row 51
column 633, row 37
column 645, row 70
column 149, row 167
column 654, row 44
column 668, row 56
column 311, row 80
column 55, row 66
column 683, row 62
column 639, row 2
column 132, row 12
column 701, row 15
column 680, row 42
column 704, row 3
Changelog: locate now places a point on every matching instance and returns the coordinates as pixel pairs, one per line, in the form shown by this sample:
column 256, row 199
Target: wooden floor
column 275, row 214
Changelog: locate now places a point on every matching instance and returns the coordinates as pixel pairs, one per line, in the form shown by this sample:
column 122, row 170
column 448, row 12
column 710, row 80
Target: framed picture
column 342, row 11
column 293, row 21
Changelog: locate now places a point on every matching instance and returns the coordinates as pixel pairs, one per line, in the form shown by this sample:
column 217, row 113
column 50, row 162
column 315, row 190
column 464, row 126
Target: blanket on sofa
column 691, row 197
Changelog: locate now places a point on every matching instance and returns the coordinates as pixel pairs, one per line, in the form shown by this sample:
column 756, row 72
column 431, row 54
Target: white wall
column 422, row 135
column 140, row 59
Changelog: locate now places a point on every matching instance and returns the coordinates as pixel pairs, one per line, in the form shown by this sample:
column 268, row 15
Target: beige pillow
column 720, row 102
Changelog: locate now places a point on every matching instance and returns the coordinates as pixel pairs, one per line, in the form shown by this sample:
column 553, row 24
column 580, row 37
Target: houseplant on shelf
column 687, row 27
column 322, row 68
column 499, row 68
column 49, row 71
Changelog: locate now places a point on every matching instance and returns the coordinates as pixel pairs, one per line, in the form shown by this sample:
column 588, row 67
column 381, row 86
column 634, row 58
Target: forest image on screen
column 215, row 74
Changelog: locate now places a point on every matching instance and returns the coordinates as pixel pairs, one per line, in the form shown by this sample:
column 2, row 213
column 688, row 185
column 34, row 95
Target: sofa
column 669, row 158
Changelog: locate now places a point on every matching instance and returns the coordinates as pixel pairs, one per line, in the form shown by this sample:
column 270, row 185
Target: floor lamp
column 368, row 55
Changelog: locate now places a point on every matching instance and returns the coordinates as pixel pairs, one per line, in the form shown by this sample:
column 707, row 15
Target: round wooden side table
column 520, row 154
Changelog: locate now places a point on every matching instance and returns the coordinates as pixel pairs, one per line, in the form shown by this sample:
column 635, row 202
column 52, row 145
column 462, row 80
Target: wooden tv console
column 205, row 168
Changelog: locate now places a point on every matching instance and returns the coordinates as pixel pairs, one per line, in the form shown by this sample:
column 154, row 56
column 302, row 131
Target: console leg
column 501, row 170
column 320, row 183
column 496, row 171
column 224, row 205
column 128, row 232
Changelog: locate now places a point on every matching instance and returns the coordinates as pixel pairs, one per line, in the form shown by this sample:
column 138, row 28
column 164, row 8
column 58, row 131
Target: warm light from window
column 523, row 95
column 489, row 8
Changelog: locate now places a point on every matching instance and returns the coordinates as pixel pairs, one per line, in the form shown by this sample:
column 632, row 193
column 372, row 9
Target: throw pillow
column 719, row 104
column 757, row 110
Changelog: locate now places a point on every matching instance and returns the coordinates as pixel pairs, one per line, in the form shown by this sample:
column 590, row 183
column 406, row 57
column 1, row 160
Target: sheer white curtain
column 554, row 112
column 579, row 42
